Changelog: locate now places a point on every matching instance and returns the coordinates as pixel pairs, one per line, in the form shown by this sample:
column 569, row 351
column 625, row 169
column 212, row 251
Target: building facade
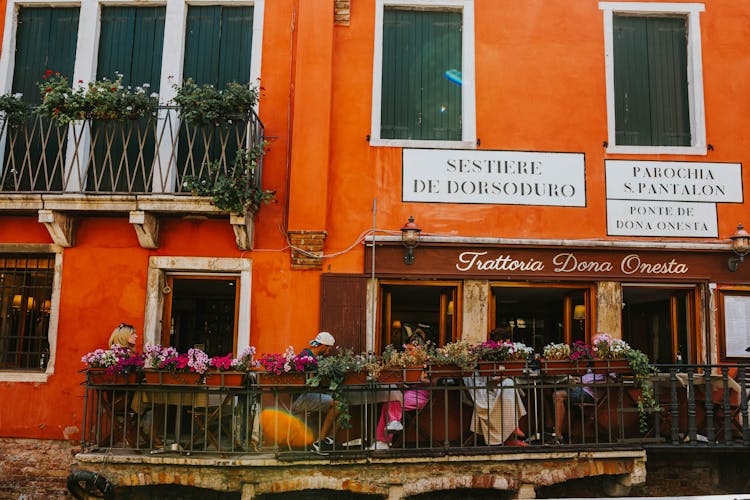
column 574, row 167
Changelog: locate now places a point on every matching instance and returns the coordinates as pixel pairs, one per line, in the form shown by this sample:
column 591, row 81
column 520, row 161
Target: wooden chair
column 213, row 422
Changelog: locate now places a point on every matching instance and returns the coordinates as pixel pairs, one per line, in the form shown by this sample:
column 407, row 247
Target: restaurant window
column 429, row 309
column 537, row 315
column 660, row 321
column 201, row 311
column 423, row 73
column 654, row 78
column 26, row 282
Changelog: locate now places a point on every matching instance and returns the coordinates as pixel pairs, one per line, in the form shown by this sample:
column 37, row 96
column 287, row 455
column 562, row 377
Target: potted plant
column 286, row 368
column 60, row 102
column 222, row 372
column 14, row 109
column 452, row 359
column 611, row 354
column 117, row 365
column 404, row 365
column 165, row 365
column 208, row 105
column 237, row 191
column 333, row 372
column 556, row 360
column 110, row 100
column 503, row 357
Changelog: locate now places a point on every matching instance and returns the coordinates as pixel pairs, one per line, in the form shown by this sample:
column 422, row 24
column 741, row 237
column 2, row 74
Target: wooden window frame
column 742, row 291
column 694, row 71
column 468, row 91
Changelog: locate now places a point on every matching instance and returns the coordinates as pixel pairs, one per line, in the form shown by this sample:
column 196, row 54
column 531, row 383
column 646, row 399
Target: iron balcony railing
column 698, row 406
column 154, row 154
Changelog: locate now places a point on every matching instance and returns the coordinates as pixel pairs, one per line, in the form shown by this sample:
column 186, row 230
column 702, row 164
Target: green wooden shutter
column 45, row 39
column 650, row 73
column 218, row 44
column 417, row 100
column 131, row 42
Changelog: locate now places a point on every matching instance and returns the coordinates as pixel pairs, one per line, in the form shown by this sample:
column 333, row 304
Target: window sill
column 22, row 376
column 408, row 143
column 658, row 150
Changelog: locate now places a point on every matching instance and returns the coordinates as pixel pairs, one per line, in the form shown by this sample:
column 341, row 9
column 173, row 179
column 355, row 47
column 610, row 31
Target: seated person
column 391, row 413
column 497, row 409
column 319, row 402
column 586, row 393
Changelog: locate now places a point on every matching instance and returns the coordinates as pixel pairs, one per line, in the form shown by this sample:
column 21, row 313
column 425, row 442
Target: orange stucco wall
column 539, row 87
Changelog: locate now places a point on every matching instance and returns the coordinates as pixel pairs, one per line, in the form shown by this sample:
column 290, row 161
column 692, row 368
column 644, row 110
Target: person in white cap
column 321, row 345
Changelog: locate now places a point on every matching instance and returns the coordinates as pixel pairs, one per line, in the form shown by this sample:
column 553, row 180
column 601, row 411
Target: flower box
column 447, row 371
column 355, row 378
column 401, row 375
column 508, row 368
column 99, row 376
column 166, row 377
column 285, row 379
column 231, row 378
column 612, row 366
column 564, row 367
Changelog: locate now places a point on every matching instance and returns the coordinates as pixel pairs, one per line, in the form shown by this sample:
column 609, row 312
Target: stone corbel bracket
column 61, row 226
column 243, row 226
column 146, row 228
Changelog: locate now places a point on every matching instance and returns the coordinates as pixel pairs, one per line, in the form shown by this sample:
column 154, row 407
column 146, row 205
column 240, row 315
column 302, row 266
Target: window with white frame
column 29, row 294
column 654, row 78
column 423, row 74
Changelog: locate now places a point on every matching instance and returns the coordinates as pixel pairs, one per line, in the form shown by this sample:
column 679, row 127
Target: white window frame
column 694, row 74
column 54, row 313
column 468, row 91
column 159, row 267
column 87, row 46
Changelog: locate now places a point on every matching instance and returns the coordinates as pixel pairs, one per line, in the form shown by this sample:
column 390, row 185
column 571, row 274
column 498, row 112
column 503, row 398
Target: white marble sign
column 661, row 218
column 494, row 177
column 672, row 180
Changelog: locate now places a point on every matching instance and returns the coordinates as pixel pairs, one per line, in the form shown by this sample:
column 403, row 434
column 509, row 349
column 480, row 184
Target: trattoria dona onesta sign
column 568, row 263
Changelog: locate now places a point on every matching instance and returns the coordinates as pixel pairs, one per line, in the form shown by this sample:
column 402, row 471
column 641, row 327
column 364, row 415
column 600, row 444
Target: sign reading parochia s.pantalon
column 494, row 177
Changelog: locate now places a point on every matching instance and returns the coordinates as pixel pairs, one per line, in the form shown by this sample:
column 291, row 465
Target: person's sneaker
column 323, row 446
column 394, row 426
column 379, row 445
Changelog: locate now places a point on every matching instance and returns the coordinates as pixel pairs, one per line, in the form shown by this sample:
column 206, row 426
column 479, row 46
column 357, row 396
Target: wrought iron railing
column 456, row 414
column 149, row 155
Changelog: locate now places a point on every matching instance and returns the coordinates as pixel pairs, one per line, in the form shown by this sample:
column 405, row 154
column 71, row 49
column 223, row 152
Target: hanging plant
column 643, row 370
column 15, row 110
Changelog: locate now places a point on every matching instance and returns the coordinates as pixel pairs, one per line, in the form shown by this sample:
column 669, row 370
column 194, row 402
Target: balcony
column 501, row 426
column 139, row 167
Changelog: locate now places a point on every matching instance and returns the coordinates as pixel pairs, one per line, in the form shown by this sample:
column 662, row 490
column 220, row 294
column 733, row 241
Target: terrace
column 250, row 433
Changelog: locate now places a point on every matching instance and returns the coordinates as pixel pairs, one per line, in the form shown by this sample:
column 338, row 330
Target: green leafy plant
column 15, row 110
column 101, row 99
column 459, row 353
column 643, row 370
column 236, row 191
column 331, row 372
column 206, row 104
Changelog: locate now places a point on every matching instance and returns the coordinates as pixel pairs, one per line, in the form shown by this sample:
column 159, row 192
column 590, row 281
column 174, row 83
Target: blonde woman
column 123, row 335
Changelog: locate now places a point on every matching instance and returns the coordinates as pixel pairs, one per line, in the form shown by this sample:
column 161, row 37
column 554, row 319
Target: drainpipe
column 83, row 483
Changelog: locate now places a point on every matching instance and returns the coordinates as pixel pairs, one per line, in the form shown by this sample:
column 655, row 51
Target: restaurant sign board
column 494, row 177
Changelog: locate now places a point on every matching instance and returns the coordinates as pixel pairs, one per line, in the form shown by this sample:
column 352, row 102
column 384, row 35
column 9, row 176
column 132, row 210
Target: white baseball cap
column 324, row 338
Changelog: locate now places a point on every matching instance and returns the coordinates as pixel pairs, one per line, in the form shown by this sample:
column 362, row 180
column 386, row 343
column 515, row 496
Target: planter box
column 612, row 366
column 284, row 379
column 226, row 378
column 355, row 378
column 401, row 375
column 99, row 376
column 165, row 377
column 509, row 368
column 447, row 371
column 564, row 367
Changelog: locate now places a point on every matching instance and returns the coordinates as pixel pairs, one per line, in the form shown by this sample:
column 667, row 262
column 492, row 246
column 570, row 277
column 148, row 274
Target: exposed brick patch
column 341, row 12
column 35, row 469
column 307, row 249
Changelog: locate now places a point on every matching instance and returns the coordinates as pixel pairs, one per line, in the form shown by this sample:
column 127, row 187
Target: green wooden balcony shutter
column 218, row 44
column 417, row 100
column 45, row 39
column 131, row 42
column 650, row 70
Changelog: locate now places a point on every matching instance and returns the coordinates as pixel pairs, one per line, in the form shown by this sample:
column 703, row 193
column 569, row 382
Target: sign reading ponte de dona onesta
column 494, row 177
column 668, row 198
